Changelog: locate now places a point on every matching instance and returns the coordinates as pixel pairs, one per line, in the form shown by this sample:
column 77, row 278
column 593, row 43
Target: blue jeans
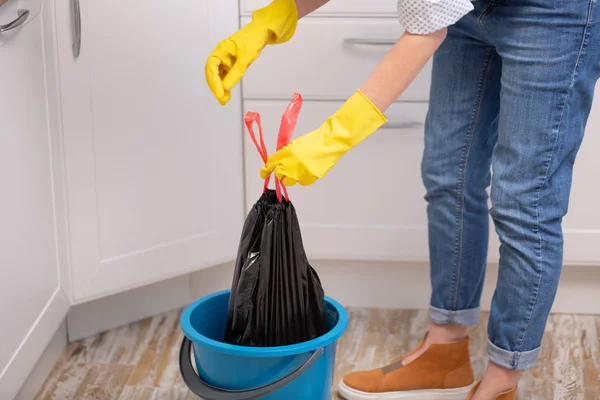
column 512, row 89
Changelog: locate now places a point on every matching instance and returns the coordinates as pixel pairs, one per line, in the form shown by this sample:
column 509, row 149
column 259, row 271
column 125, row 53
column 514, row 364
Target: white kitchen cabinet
column 371, row 205
column 31, row 263
column 153, row 162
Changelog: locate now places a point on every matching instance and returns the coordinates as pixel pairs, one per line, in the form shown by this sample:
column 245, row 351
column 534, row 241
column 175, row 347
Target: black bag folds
column 276, row 296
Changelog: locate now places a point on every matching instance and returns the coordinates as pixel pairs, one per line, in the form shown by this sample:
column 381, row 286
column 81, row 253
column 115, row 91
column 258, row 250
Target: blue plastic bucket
column 295, row 372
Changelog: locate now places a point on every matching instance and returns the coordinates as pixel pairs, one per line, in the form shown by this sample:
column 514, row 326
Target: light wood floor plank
column 158, row 365
column 140, row 361
column 147, row 393
column 81, row 381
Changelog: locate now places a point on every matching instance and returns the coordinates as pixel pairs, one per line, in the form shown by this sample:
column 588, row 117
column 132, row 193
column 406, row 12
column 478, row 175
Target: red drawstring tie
column 286, row 129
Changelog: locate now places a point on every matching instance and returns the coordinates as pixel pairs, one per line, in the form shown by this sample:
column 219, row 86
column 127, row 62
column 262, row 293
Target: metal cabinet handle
column 76, row 28
column 371, row 42
column 22, row 16
column 402, row 125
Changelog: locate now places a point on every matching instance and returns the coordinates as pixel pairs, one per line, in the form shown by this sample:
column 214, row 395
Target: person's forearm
column 305, row 7
column 399, row 67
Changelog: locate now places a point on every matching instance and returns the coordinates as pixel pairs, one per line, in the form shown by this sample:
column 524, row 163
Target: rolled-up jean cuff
column 513, row 360
column 461, row 317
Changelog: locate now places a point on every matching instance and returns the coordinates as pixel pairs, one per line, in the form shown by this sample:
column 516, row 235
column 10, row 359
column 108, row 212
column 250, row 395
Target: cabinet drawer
column 328, row 59
column 338, row 7
column 370, row 205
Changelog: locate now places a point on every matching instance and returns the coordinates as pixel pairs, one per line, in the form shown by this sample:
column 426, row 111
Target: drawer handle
column 371, row 42
column 76, row 28
column 22, row 16
column 402, row 125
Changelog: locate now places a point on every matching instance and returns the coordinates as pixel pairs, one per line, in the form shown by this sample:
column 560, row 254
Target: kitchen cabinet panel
column 33, row 302
column 26, row 212
column 153, row 161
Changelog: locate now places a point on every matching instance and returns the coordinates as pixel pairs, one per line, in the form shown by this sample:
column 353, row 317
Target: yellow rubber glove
column 310, row 157
column 226, row 65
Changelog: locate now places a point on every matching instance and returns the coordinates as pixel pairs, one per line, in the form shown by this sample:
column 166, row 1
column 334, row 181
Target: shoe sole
column 349, row 393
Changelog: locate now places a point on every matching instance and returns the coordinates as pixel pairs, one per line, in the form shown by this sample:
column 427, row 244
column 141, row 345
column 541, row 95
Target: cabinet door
column 153, row 161
column 33, row 304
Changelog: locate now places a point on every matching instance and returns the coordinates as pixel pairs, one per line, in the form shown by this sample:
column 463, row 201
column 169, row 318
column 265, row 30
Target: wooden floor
column 139, row 361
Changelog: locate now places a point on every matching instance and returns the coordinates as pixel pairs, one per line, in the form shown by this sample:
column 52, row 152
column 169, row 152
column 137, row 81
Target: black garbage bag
column 276, row 296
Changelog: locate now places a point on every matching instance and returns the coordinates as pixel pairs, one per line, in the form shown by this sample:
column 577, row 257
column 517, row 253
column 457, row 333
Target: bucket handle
column 208, row 392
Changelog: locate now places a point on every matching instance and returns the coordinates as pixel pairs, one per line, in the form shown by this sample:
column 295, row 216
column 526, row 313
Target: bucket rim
column 274, row 351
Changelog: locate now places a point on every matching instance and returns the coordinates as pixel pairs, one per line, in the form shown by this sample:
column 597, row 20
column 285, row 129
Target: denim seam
column 491, row 7
column 569, row 91
column 463, row 172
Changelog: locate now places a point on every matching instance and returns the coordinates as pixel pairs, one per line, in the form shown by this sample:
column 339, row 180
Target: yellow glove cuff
column 357, row 119
column 280, row 18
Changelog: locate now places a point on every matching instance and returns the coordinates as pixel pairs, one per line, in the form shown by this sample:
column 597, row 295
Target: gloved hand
column 310, row 157
column 273, row 24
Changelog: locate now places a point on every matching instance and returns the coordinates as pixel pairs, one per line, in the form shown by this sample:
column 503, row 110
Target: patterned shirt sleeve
column 421, row 17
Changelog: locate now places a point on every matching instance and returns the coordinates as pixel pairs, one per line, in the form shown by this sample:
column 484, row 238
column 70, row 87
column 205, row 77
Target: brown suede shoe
column 510, row 395
column 442, row 372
